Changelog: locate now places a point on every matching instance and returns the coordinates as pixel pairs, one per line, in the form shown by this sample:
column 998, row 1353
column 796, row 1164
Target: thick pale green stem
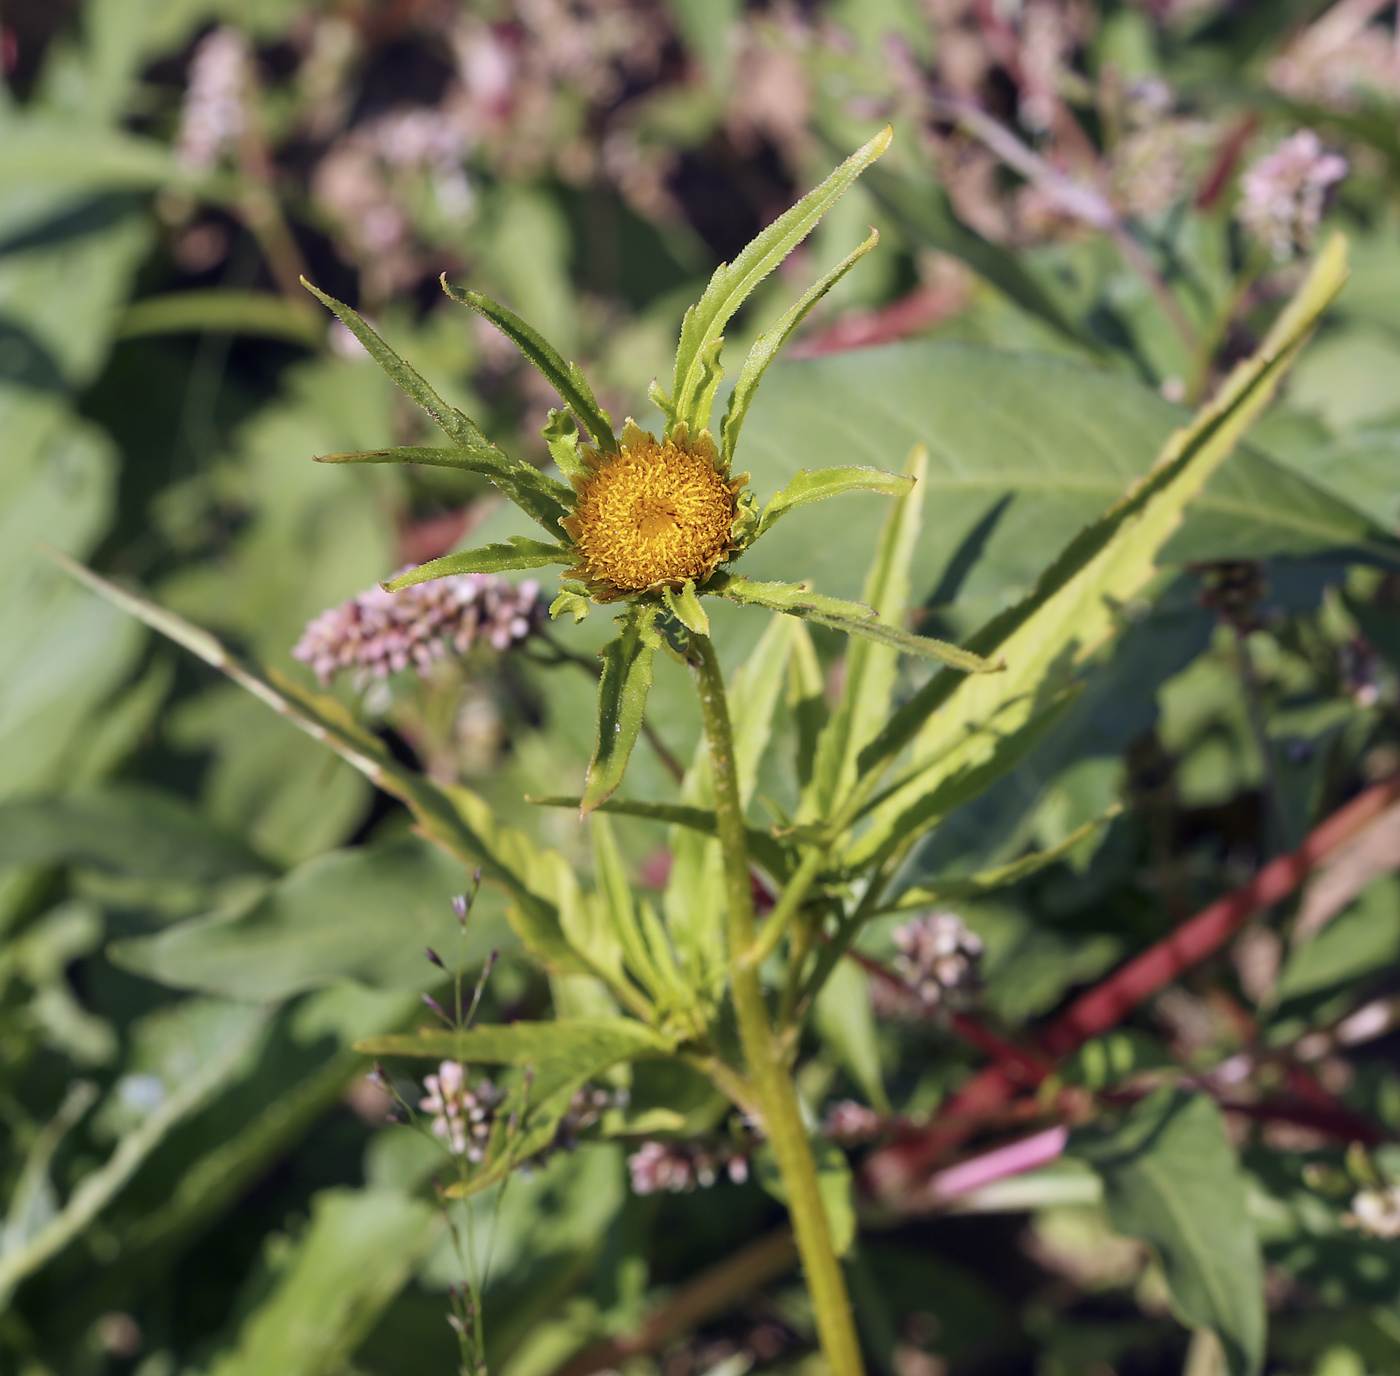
column 782, row 1116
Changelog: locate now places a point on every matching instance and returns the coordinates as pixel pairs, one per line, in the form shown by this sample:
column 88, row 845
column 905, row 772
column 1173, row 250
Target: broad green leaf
column 596, row 1043
column 622, row 700
column 831, row 482
column 1360, row 942
column 767, row 346
column 732, row 283
column 1024, row 452
column 537, row 494
column 846, row 1022
column 212, row 1042
column 364, row 914
column 853, row 618
column 1047, row 638
column 566, row 378
column 64, row 653
column 1170, row 1178
column 124, row 829
column 520, row 553
column 868, row 682
column 358, row 1251
column 457, row 427
column 223, row 311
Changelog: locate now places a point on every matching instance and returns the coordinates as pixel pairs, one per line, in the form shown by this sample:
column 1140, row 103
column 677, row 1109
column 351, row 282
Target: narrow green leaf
column 770, row 342
column 845, row 1021
column 988, row 881
column 957, row 725
column 622, row 700
column 852, row 617
column 686, row 608
column 830, row 482
column 767, row 851
column 871, row 667
column 518, row 553
column 457, row 427
column 536, row 493
column 455, row 819
column 354, row 1255
column 1171, row 1179
column 806, row 702
column 566, row 378
column 600, row 1042
column 732, row 283
column 694, row 897
column 614, row 898
column 224, row 311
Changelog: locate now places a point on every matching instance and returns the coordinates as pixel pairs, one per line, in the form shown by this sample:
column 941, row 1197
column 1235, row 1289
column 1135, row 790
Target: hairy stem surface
column 782, row 1117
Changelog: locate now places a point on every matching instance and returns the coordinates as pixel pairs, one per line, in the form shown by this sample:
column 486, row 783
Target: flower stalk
column 763, row 1055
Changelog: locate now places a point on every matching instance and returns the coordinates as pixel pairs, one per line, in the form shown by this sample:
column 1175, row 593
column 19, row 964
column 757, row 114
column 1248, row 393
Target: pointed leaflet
column 830, row 482
column 519, row 553
column 768, row 344
column 956, row 725
column 733, row 282
column 566, row 378
column 852, row 617
column 455, row 819
column 988, row 881
column 685, row 606
column 535, row 493
column 457, row 427
column 767, row 852
column 1170, row 1178
column 870, row 667
column 622, row 700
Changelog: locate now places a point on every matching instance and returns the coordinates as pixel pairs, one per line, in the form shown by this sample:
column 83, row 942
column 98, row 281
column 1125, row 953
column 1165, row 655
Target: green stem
column 782, row 1116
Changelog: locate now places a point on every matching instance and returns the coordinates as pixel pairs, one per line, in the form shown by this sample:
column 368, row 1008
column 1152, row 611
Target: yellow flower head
column 652, row 515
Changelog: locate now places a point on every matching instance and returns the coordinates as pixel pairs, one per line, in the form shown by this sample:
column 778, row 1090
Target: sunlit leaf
column 520, row 553
column 958, row 725
column 767, row 346
column 704, row 324
column 854, row 618
column 537, row 494
column 566, row 378
column 457, row 427
column 1171, row 1179
column 830, row 482
column 622, row 700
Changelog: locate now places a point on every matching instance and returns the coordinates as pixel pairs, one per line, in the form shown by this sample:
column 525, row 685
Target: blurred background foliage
column 200, row 909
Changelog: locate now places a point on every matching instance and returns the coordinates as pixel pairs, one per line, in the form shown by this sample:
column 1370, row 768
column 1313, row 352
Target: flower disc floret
column 652, row 515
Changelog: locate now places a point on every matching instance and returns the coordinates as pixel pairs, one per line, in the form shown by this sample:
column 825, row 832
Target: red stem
column 1106, row 1005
